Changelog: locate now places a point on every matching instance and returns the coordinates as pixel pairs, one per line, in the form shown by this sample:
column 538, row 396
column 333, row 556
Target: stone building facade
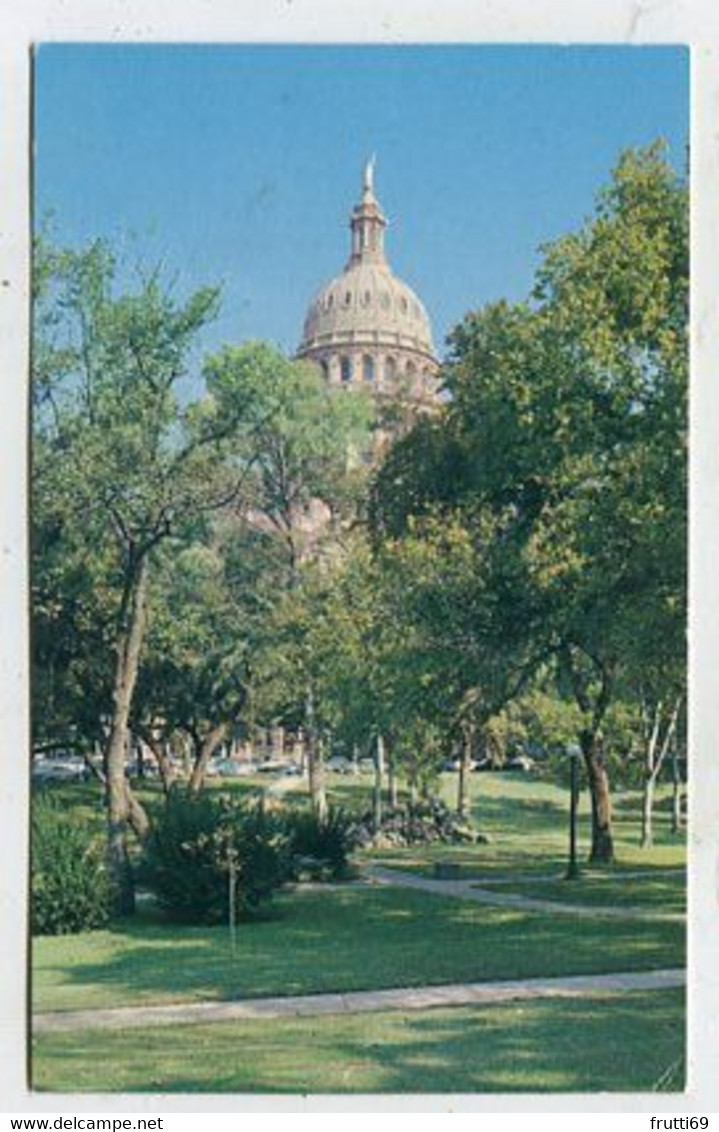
column 367, row 326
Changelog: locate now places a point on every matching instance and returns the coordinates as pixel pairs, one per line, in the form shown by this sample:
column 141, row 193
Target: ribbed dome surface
column 366, row 327
column 367, row 305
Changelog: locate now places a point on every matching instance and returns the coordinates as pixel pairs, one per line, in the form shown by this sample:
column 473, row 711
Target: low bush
column 70, row 889
column 320, row 848
column 198, row 842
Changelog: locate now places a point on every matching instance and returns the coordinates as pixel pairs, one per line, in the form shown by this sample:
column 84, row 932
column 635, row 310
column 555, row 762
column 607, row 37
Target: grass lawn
column 663, row 892
column 525, row 817
column 526, row 820
column 354, row 938
column 628, row 1043
column 348, row 939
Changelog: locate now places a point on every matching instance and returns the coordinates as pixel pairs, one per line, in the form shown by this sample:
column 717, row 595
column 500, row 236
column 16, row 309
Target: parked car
column 229, row 768
column 519, row 762
column 338, row 764
column 271, row 766
column 150, row 769
column 455, row 764
column 483, row 764
column 292, row 770
column 67, row 768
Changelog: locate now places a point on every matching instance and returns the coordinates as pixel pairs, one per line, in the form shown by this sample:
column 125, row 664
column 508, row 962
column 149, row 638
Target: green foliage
column 418, row 748
column 565, row 433
column 194, row 671
column 295, row 436
column 196, row 845
column 70, row 891
column 320, row 847
column 120, row 464
column 568, row 417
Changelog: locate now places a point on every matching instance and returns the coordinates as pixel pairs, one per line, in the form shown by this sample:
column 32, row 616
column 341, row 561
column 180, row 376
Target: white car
column 68, row 768
column 339, row 764
column 229, row 768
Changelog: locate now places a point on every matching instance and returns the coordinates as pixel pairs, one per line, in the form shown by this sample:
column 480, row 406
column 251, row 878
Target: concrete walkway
column 356, row 1002
column 469, row 890
column 539, row 878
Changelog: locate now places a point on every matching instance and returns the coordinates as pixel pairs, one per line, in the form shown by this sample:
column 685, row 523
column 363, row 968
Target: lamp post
column 574, row 753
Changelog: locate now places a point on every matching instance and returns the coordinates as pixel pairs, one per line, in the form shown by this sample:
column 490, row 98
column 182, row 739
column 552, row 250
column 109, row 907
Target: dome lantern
column 368, row 326
column 367, row 223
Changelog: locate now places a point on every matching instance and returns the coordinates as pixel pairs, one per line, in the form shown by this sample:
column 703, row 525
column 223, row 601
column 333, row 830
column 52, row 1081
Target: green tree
column 460, row 596
column 195, row 672
column 303, row 484
column 300, row 502
column 567, row 414
column 124, row 464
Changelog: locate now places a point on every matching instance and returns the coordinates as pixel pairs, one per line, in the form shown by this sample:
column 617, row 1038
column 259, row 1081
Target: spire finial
column 368, row 183
column 367, row 222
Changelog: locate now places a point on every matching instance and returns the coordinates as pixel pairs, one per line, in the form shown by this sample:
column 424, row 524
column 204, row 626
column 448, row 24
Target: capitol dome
column 366, row 325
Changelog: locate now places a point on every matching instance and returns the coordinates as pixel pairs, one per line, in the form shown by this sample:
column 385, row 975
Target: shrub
column 70, row 889
column 320, row 848
column 193, row 846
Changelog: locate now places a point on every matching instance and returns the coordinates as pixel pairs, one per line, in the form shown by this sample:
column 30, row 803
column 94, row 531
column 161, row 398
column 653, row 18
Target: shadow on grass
column 630, row 1043
column 357, row 939
column 662, row 893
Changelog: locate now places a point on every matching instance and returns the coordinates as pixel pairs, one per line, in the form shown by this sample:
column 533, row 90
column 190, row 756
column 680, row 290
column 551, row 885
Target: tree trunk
column 139, row 758
column 677, row 817
column 594, row 709
column 95, row 765
column 137, row 817
column 378, row 776
column 651, row 737
column 208, row 747
column 465, row 763
column 277, row 737
column 317, row 773
column 119, row 804
column 315, row 762
column 646, row 839
column 602, row 851
column 301, row 750
column 392, row 781
column 655, row 755
column 186, row 755
column 159, row 748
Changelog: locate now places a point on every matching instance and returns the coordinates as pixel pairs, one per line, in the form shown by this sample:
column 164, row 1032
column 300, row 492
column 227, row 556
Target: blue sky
column 239, row 164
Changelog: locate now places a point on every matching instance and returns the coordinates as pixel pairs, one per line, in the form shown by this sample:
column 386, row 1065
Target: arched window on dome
column 345, row 368
column 325, row 369
column 390, row 369
column 368, row 368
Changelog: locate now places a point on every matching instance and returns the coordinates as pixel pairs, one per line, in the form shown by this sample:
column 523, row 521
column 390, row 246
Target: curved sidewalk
column 470, row 890
column 357, row 1002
